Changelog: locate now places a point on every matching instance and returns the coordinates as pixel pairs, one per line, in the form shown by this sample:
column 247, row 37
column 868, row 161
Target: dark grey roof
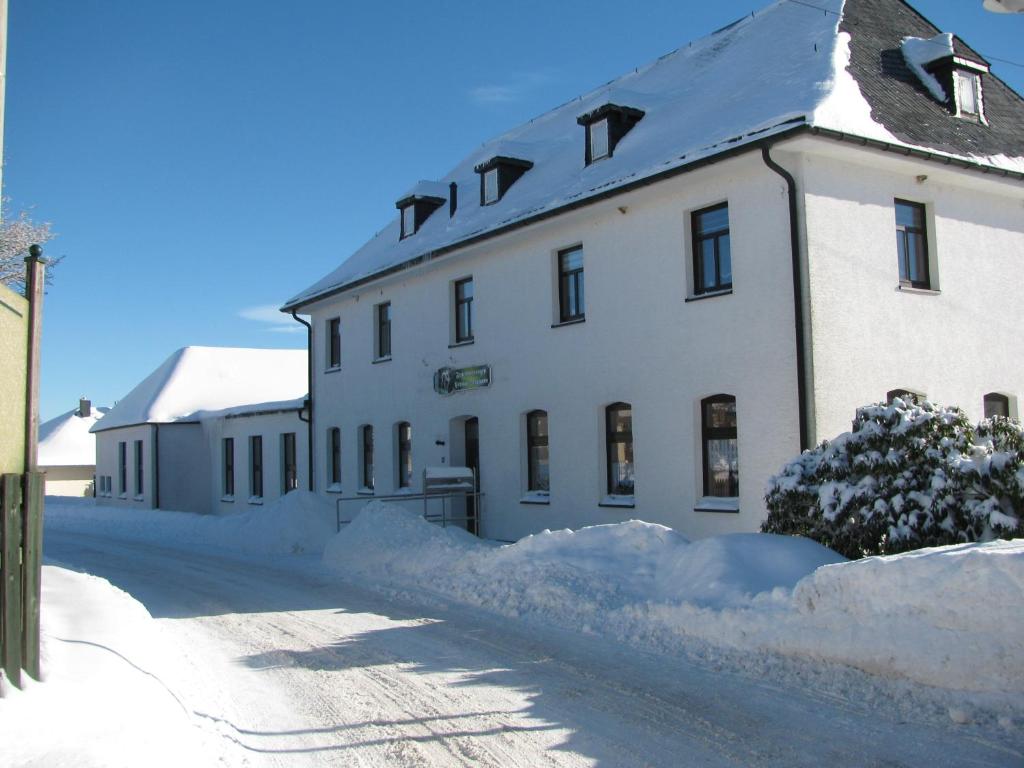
column 903, row 105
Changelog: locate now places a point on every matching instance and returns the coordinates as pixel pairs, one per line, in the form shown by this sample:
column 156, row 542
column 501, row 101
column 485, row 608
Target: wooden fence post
column 10, row 573
column 32, row 536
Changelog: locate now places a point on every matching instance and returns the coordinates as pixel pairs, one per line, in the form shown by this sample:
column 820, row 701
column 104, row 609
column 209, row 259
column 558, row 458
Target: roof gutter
column 802, row 342
column 309, row 394
column 799, row 127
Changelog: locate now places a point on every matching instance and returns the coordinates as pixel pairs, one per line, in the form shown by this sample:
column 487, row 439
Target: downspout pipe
column 798, row 297
column 309, row 395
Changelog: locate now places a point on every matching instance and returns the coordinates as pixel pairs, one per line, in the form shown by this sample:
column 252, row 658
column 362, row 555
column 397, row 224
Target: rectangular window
column 721, row 456
column 712, row 256
column 334, row 470
column 967, row 92
column 598, row 139
column 122, row 468
column 619, row 442
column 912, row 244
column 404, row 455
column 290, row 472
column 334, row 343
column 256, row 466
column 464, row 310
column 366, row 436
column 491, row 186
column 229, row 467
column 138, row 467
column 570, row 285
column 537, row 451
column 384, row 330
column 408, row 220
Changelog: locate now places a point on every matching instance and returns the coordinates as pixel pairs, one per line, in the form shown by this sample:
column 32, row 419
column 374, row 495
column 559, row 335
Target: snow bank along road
column 296, row 668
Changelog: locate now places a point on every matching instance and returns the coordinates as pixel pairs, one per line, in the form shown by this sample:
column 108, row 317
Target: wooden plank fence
column 21, row 547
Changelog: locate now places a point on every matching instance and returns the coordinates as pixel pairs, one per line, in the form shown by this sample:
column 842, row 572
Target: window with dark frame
column 720, row 446
column 599, row 143
column 912, row 244
column 334, row 440
column 334, row 343
column 404, row 454
column 122, row 474
column 908, row 397
column 408, row 220
column 464, row 310
column 619, row 444
column 229, row 466
column 538, row 472
column 256, row 466
column 604, row 127
column 138, row 468
column 366, row 437
column 997, row 405
column 571, row 304
column 490, row 181
column 384, row 330
column 712, row 255
column 290, row 471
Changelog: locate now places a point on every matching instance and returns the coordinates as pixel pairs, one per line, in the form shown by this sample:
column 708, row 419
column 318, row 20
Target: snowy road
column 300, row 669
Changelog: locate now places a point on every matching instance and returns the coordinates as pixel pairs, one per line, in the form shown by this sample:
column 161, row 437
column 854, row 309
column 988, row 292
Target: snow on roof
column 65, row 441
column 784, row 66
column 919, row 53
column 195, row 380
column 253, row 409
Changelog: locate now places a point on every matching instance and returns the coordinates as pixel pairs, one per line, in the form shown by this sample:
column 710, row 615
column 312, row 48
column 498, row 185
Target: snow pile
column 297, row 522
column 947, row 617
column 919, row 53
column 104, row 701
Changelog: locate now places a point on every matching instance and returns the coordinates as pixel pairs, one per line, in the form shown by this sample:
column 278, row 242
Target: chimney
column 84, row 407
column 453, row 198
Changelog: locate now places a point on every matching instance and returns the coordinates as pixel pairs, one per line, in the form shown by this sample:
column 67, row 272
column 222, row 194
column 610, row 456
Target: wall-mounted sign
column 449, row 380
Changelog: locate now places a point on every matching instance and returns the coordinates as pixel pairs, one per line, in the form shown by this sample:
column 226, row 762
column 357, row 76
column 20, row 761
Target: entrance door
column 472, row 444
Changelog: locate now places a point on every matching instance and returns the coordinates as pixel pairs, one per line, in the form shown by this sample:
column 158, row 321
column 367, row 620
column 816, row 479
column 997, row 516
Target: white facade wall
column 69, row 480
column 641, row 343
column 272, row 427
column 107, row 464
column 184, row 467
column 870, row 337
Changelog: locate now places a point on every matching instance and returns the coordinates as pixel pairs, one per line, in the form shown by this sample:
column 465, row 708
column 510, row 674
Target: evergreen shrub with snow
column 907, row 476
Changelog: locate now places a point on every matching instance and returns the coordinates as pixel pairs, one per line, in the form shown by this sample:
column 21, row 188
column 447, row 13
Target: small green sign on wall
column 447, row 380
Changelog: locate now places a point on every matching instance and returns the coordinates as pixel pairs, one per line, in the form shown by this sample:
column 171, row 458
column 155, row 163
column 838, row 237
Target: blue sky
column 203, row 161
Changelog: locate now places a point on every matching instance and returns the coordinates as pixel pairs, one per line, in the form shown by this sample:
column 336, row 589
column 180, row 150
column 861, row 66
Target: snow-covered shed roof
column 64, row 441
column 832, row 67
column 195, row 380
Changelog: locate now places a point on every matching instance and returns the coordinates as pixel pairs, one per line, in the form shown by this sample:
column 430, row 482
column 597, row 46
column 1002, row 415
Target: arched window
column 996, row 405
column 538, row 478
column 366, row 449
column 720, row 446
column 334, row 456
column 906, row 395
column 404, row 440
column 619, row 443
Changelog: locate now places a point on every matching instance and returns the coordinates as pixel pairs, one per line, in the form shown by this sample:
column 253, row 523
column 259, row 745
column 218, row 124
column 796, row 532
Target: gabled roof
column 65, row 441
column 195, row 380
column 832, row 66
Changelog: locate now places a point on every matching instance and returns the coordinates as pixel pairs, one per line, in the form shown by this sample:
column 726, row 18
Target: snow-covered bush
column 906, row 476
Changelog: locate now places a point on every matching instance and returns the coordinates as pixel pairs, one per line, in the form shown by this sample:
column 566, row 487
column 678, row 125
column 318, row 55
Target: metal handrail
column 444, row 518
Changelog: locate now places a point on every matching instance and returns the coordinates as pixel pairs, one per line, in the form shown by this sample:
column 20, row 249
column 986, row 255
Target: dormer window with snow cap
column 950, row 72
column 416, row 209
column 605, row 127
column 497, row 175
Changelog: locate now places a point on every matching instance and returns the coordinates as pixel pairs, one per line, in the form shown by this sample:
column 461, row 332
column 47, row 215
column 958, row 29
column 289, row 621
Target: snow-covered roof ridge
column 65, row 441
column 194, row 380
column 784, row 68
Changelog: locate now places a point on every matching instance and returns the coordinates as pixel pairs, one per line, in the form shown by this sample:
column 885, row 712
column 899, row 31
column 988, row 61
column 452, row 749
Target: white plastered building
column 643, row 303
column 212, row 430
column 67, row 450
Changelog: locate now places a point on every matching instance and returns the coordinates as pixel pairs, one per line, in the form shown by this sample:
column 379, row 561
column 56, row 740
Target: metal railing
column 445, row 517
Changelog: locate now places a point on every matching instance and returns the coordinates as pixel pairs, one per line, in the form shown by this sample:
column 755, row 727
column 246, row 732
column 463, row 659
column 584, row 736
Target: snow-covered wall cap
column 65, row 441
column 919, row 53
column 198, row 379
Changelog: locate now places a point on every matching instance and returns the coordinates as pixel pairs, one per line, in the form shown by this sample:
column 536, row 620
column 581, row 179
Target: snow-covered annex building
column 67, row 450
column 642, row 303
column 211, row 430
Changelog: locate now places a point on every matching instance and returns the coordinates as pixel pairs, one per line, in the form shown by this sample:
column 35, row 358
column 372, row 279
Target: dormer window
column 497, row 175
column 605, row 127
column 950, row 72
column 968, row 93
column 416, row 209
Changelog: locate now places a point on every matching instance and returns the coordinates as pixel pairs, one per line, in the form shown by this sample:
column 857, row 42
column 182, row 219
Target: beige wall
column 13, row 341
column 69, row 481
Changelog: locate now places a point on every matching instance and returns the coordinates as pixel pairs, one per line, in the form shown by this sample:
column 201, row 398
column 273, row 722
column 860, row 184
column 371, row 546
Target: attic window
column 968, row 93
column 947, row 70
column 605, row 127
column 497, row 175
column 416, row 209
